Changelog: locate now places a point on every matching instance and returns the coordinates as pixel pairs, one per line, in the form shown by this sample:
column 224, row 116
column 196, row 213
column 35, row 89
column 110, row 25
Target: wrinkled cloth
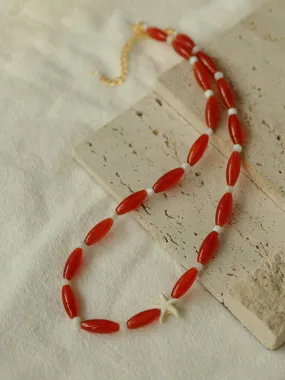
column 50, row 99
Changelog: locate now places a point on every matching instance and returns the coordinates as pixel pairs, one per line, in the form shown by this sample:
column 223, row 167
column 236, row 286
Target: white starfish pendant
column 167, row 306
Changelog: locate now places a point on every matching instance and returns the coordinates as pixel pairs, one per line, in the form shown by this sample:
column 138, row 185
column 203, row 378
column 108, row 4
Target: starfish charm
column 167, row 306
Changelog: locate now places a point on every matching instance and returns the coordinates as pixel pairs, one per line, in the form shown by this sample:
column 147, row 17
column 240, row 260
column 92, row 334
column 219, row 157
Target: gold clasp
column 139, row 34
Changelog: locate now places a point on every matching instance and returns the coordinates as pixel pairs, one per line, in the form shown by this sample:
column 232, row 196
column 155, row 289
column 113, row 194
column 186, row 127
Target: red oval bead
column 157, row 34
column 168, row 180
column 184, row 283
column 198, row 149
column 212, row 113
column 69, row 301
column 143, row 318
column 182, row 49
column 224, row 209
column 99, row 231
column 100, row 326
column 185, row 40
column 202, row 76
column 236, row 130
column 132, row 202
column 73, row 263
column 233, row 168
column 226, row 93
column 208, row 248
column 207, row 61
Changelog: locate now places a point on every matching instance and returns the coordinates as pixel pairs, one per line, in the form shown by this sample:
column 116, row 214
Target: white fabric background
column 48, row 102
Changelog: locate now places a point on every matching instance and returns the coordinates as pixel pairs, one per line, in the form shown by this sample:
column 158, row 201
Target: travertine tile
column 258, row 301
column 135, row 149
column 251, row 55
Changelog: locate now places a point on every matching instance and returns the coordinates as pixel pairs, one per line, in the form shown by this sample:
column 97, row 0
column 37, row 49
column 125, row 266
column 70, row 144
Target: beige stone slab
column 136, row 148
column 258, row 301
column 251, row 55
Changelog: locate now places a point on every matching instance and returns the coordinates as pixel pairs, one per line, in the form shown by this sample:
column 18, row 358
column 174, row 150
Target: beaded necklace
column 205, row 69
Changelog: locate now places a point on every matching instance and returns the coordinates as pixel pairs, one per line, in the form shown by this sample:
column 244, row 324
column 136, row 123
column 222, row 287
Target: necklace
column 205, row 70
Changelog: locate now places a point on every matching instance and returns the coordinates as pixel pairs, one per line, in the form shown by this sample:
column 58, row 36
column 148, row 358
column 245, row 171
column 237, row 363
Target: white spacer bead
column 199, row 266
column 114, row 216
column 83, row 246
column 229, row 189
column 218, row 75
column 209, row 132
column 195, row 49
column 65, row 282
column 144, row 27
column 185, row 166
column 193, row 60
column 208, row 93
column 169, row 39
column 237, row 148
column 218, row 229
column 123, row 326
column 150, row 192
column 232, row 111
column 76, row 322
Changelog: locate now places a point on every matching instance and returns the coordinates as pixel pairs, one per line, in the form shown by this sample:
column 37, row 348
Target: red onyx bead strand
column 236, row 130
column 224, row 88
column 98, row 326
column 203, row 77
column 210, row 244
column 223, row 213
column 235, row 127
column 135, row 200
column 203, row 68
